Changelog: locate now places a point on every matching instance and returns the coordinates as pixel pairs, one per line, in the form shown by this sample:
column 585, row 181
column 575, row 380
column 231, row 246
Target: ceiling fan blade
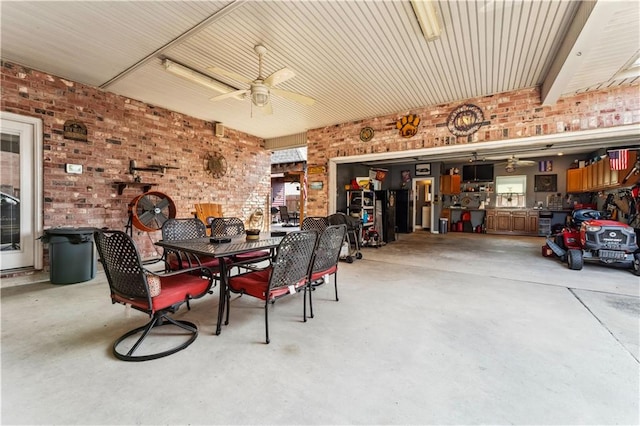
column 305, row 100
column 230, row 74
column 235, row 94
column 525, row 163
column 279, row 76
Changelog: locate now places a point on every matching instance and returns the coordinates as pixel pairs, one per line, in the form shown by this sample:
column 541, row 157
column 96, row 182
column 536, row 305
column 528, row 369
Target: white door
column 422, row 195
column 20, row 191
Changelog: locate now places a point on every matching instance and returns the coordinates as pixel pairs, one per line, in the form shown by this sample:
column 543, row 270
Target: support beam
column 588, row 23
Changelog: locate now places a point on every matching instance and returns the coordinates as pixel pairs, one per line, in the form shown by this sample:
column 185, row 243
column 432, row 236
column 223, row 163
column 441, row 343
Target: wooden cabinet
column 606, row 174
column 614, row 178
column 515, row 222
column 490, row 224
column 599, row 176
column 449, row 184
column 589, row 171
column 503, row 221
column 532, row 223
column 574, row 180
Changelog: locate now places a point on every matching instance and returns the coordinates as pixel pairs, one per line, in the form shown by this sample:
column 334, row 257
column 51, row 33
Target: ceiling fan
column 513, row 162
column 262, row 87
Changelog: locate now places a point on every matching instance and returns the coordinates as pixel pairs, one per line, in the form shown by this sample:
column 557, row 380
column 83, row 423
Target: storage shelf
column 146, row 186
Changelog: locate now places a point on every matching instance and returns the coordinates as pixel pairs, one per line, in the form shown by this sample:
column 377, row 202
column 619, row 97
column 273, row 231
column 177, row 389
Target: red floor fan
column 149, row 211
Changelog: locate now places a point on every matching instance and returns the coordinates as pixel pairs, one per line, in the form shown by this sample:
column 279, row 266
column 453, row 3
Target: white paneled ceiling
column 357, row 59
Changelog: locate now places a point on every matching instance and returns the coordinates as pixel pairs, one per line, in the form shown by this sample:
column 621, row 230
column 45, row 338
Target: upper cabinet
column 575, row 180
column 449, row 184
column 599, row 176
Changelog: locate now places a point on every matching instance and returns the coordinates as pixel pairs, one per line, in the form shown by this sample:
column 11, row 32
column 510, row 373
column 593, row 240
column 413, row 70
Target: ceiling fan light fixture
column 428, row 18
column 259, row 95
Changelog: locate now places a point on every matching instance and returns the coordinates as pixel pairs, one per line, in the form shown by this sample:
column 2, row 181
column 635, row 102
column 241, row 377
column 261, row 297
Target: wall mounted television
column 477, row 173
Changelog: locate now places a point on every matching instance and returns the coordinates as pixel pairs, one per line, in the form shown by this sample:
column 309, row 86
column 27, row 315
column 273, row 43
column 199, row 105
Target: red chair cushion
column 256, row 283
column 174, row 289
column 244, row 257
column 207, row 262
column 317, row 275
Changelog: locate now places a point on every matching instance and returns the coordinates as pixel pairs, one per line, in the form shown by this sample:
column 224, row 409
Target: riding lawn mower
column 590, row 236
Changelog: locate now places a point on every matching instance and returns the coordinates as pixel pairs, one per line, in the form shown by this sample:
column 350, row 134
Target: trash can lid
column 69, row 231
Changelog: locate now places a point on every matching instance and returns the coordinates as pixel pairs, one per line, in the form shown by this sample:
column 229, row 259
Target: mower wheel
column 358, row 255
column 574, row 259
column 636, row 263
column 349, row 259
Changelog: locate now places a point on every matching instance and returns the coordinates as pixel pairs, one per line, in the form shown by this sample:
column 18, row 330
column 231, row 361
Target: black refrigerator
column 404, row 223
column 386, row 208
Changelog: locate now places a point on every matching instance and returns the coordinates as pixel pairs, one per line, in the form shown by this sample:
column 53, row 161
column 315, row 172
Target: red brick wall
column 122, row 129
column 512, row 115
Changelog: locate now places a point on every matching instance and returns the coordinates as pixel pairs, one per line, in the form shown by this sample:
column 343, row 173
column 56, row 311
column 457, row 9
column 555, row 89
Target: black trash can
column 72, row 258
column 444, row 225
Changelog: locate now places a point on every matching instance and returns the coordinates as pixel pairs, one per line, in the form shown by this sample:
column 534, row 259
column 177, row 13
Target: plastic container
column 444, row 225
column 72, row 257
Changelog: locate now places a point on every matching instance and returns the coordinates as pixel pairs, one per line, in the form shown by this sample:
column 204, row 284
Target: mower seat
column 579, row 216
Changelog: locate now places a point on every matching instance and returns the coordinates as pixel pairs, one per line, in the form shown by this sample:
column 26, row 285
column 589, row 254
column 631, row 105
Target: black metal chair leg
column 157, row 321
column 266, row 319
column 304, row 304
column 335, row 284
column 310, row 301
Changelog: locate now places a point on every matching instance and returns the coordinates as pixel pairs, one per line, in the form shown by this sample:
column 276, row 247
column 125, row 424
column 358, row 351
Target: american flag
column 618, row 159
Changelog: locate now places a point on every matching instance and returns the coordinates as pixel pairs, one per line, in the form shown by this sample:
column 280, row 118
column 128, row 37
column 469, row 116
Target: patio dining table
column 222, row 251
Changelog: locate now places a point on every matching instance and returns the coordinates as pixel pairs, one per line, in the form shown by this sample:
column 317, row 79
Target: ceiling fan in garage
column 512, row 163
column 262, row 88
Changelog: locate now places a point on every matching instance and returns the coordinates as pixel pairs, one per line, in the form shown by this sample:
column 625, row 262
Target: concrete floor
column 431, row 329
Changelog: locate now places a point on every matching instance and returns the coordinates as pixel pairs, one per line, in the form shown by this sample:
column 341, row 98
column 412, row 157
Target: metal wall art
column 408, row 125
column 216, row 165
column 465, row 120
column 366, row 134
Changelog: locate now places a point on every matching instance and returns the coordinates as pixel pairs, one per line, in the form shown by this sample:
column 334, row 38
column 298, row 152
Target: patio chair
column 156, row 295
column 318, row 223
column 186, row 229
column 288, row 274
column 354, row 234
column 232, row 227
column 326, row 259
column 286, row 218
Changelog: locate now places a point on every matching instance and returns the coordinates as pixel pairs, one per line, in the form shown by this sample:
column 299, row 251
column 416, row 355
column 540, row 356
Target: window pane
column 9, row 192
column 511, row 184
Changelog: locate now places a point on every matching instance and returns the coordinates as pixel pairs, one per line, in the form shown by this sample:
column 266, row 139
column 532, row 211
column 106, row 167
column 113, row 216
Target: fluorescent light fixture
column 196, row 77
column 630, row 71
column 427, row 18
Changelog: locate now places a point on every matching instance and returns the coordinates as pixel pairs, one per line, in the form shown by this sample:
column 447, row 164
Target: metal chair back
column 327, row 253
column 178, row 230
column 317, row 223
column 227, row 226
column 292, row 263
column 284, row 214
column 183, row 229
column 122, row 265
